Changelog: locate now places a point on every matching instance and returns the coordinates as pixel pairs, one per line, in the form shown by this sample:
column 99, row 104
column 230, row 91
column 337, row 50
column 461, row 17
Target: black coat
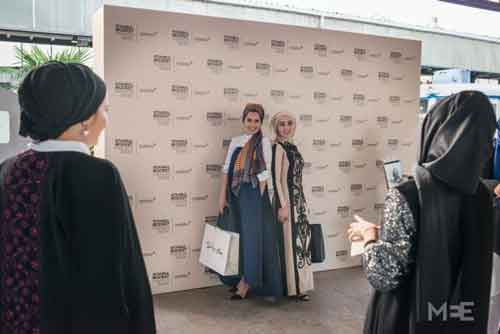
column 92, row 277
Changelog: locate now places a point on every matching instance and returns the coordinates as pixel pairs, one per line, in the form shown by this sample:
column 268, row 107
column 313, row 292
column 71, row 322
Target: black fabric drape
column 92, row 272
column 454, row 227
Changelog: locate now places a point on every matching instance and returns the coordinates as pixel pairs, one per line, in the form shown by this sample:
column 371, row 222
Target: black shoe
column 233, row 289
column 303, row 298
column 236, row 297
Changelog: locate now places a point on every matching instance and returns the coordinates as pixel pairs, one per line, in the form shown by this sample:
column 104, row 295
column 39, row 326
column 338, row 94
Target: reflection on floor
column 337, row 306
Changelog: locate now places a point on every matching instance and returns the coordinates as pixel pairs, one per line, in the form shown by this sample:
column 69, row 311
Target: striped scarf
column 249, row 164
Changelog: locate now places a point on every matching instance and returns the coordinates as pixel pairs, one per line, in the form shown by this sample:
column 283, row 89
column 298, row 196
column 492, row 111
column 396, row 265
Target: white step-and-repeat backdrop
column 177, row 85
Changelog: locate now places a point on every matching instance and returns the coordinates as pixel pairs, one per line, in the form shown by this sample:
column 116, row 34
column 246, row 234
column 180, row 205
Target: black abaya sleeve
column 107, row 272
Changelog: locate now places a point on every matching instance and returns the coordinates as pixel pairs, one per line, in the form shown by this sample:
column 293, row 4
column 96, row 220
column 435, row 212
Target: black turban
column 57, row 95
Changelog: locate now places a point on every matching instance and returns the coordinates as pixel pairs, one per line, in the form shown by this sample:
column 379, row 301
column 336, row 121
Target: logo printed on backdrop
column 184, row 275
column 361, row 121
column 180, row 252
column 410, row 58
column 235, row 67
column 215, row 65
column 345, row 121
column 363, row 75
column 371, row 187
column 319, row 97
column 183, row 63
column 358, row 144
column 360, row 54
column 356, row 189
column 393, row 143
column 359, row 99
column 251, row 94
column 180, row 92
column 382, row 121
column 320, row 50
column 183, row 171
column 125, row 31
column 263, row 68
column 320, row 213
column 124, row 146
column 375, row 55
column 379, row 163
column 407, row 143
column 251, row 43
column 319, row 144
column 210, row 219
column 162, row 172
column 201, row 92
column 214, row 171
column 333, row 190
column 372, row 143
column 161, row 279
column 215, row 119
column 147, row 146
column 306, row 120
column 343, row 211
column 384, row 76
column 409, row 101
column 374, row 99
column 162, row 62
column 398, row 78
column 202, row 38
column 321, row 167
column 232, row 41
column 318, row 191
column 333, row 235
column 161, row 226
column 195, row 199
column 294, row 96
column 231, row 94
column 337, row 51
column 324, row 72
column 396, row 56
column 359, row 164
column 280, row 69
column 336, row 144
column 295, row 46
column 180, row 36
column 179, row 199
column 124, row 89
column 278, row 46
column 148, row 34
column 147, row 200
column 180, row 145
column 225, row 143
column 323, row 119
column 148, row 90
column 358, row 210
column 308, row 167
column 199, row 146
column 341, row 253
column 344, row 166
column 395, row 100
column 346, row 74
column 278, row 95
column 183, row 223
column 307, row 71
column 397, row 121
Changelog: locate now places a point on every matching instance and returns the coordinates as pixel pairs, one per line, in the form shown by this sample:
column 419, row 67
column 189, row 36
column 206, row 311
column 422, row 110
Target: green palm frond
column 31, row 58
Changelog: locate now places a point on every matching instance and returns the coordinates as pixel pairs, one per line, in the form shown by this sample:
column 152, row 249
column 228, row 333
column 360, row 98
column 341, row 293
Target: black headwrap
column 453, row 259
column 57, row 95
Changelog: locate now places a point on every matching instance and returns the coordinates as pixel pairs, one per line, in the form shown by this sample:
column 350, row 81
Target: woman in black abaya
column 433, row 255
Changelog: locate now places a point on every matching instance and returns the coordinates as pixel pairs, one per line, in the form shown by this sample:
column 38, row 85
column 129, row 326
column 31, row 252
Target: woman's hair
column 253, row 107
column 55, row 96
column 281, row 116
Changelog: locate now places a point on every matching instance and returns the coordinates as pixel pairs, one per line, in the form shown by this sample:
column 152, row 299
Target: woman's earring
column 85, row 130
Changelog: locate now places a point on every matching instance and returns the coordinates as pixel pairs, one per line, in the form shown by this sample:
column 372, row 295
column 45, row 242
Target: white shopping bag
column 220, row 250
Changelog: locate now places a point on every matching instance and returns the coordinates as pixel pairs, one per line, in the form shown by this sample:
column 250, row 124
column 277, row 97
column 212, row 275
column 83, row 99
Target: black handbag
column 317, row 244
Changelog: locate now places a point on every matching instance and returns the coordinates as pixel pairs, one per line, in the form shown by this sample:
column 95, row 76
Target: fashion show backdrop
column 177, row 85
